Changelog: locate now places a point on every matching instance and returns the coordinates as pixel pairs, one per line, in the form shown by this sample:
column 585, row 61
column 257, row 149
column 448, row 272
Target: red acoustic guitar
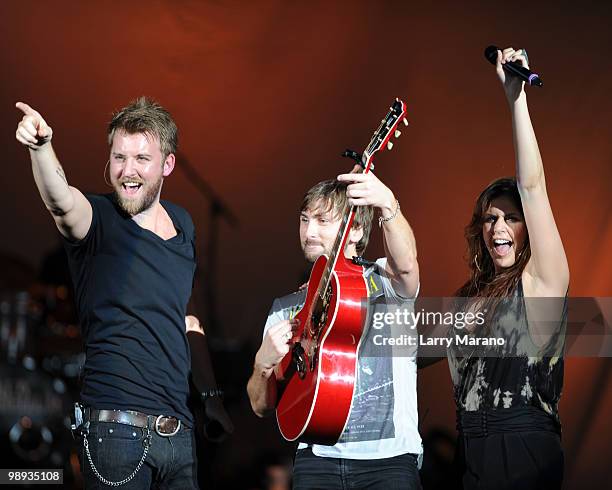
column 319, row 372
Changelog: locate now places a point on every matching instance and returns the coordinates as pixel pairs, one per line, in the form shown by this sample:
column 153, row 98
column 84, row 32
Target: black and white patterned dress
column 507, row 396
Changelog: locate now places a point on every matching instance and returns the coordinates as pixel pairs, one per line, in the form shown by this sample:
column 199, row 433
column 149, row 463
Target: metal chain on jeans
column 146, row 442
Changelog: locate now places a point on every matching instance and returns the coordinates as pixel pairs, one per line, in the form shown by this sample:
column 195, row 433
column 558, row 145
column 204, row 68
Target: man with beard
column 380, row 444
column 132, row 261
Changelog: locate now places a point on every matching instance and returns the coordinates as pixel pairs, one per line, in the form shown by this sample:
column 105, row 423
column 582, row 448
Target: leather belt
column 163, row 425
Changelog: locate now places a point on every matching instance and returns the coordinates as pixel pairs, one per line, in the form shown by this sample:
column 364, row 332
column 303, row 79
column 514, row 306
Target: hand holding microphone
column 514, row 63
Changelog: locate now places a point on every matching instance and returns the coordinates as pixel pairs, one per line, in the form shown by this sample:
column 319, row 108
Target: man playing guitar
column 380, row 443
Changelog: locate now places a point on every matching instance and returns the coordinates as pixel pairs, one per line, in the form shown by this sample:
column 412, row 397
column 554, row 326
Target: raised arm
column 399, row 241
column 548, row 266
column 68, row 206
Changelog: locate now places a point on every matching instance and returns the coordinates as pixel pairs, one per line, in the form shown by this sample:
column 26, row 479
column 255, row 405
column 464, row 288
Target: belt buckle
column 162, row 434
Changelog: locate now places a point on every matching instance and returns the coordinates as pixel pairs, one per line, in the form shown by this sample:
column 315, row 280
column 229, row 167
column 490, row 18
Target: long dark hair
column 483, row 281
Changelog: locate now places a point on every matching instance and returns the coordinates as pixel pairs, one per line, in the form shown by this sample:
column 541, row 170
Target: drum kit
column 40, row 362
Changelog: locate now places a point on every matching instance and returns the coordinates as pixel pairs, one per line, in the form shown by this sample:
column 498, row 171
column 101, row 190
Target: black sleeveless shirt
column 520, row 373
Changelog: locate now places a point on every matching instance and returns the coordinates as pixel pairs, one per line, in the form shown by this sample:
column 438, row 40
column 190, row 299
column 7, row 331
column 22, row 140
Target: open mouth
column 131, row 188
column 502, row 246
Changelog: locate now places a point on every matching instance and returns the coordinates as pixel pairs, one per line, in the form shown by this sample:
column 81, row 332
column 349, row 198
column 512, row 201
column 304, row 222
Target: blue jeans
column 312, row 472
column 116, row 450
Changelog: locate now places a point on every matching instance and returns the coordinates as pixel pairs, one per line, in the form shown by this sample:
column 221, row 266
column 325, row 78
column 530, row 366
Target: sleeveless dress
column 507, row 396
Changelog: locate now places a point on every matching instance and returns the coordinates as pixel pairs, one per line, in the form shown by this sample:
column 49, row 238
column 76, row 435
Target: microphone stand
column 217, row 210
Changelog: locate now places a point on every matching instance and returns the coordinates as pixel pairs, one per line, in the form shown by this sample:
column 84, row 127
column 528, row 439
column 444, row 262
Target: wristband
column 206, row 394
column 382, row 220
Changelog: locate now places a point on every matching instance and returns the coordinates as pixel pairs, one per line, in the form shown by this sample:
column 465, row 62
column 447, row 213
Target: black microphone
column 514, row 68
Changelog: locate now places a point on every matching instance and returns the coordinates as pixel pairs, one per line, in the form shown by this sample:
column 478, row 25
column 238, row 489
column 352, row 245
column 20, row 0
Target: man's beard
column 144, row 201
column 313, row 256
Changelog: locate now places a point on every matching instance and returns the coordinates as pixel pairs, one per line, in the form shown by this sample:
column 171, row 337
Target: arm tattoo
column 60, row 171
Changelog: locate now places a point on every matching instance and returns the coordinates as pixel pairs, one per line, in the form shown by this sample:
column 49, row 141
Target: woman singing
column 507, row 396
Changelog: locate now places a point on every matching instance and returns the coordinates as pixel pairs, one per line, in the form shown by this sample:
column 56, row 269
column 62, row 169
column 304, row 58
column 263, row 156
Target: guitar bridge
column 318, row 319
column 299, row 359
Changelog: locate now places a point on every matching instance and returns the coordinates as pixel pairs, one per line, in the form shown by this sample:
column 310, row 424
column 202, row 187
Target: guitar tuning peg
column 389, row 145
column 397, row 133
column 405, row 121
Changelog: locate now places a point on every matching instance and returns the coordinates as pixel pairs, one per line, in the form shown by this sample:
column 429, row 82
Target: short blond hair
column 144, row 115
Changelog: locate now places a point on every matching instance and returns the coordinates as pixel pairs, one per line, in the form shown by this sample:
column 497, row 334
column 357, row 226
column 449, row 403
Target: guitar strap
column 375, row 286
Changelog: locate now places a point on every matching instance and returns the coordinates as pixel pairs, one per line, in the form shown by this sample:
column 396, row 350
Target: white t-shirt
column 383, row 421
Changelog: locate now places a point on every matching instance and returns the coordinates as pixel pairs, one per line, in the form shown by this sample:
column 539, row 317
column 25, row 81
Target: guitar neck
column 382, row 135
column 339, row 245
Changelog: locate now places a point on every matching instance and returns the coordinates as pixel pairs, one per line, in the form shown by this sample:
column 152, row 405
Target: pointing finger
column 26, row 109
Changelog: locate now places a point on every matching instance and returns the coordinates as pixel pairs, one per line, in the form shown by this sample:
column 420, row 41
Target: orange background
column 266, row 96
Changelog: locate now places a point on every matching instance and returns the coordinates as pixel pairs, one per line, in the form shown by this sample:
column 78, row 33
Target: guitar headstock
column 388, row 129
